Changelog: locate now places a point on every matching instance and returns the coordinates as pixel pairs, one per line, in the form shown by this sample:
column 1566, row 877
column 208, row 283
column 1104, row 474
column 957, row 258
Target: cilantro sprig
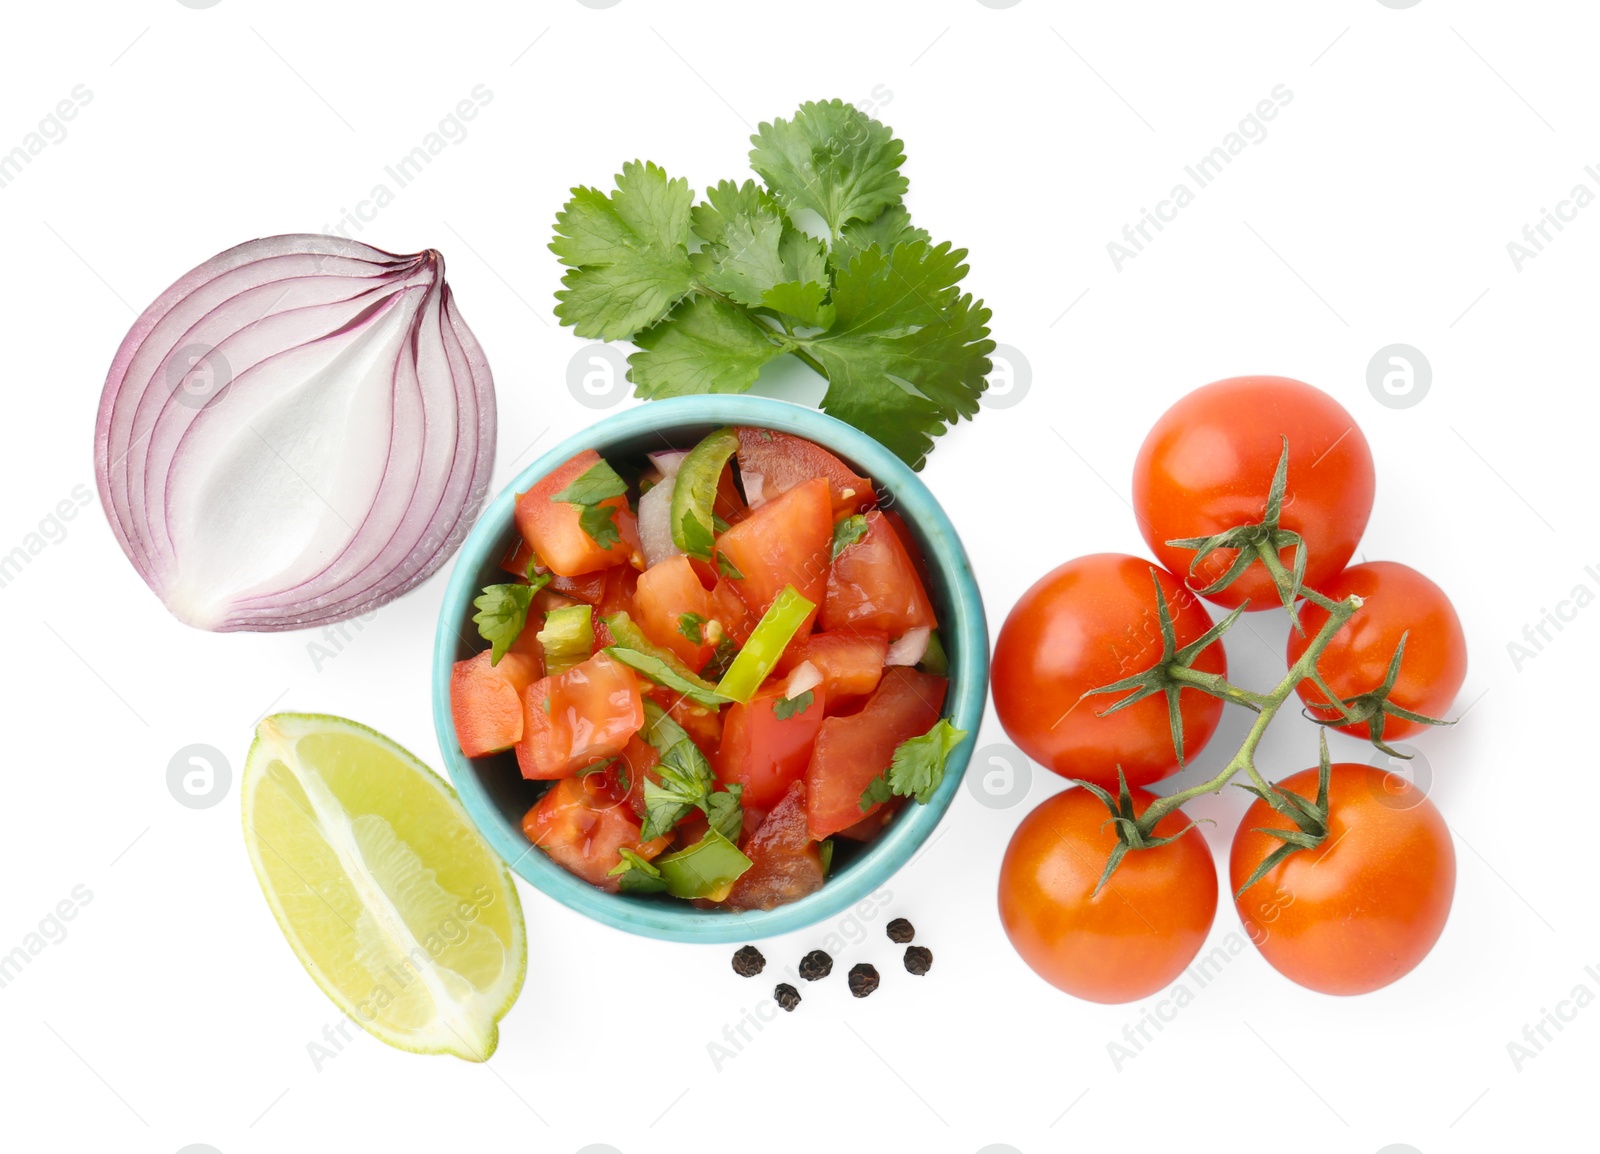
column 502, row 613
column 819, row 260
column 917, row 767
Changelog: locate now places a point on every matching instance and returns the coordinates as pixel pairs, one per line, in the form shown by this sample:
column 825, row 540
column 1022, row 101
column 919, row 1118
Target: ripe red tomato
column 1398, row 601
column 552, row 527
column 852, row 750
column 582, row 825
column 785, row 864
column 873, row 584
column 486, row 701
column 772, row 463
column 1365, row 906
column 764, row 753
column 1083, row 625
column 1207, row 465
column 578, row 717
column 788, row 541
column 1137, row 934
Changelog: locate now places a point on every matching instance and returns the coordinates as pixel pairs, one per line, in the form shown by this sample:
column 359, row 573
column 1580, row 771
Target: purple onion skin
column 251, row 310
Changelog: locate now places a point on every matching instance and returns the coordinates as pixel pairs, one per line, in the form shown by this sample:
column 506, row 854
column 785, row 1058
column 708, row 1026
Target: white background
column 1417, row 144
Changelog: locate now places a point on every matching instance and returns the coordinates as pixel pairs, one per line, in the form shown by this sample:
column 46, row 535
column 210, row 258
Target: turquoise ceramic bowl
column 497, row 796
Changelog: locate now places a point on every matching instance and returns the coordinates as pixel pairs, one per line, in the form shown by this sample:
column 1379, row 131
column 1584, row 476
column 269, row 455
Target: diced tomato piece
column 764, row 753
column 785, row 864
column 638, row 759
column 516, row 560
column 874, row 823
column 552, row 528
column 588, row 588
column 667, row 591
column 874, row 585
column 578, row 717
column 701, row 723
column 583, row 829
column 850, row 660
column 785, row 542
column 913, row 550
column 486, row 701
column 773, row 463
column 851, row 751
column 617, row 598
column 729, row 505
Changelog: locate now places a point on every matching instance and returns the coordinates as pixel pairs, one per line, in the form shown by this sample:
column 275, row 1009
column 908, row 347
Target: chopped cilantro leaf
column 690, row 625
column 727, row 568
column 600, row 523
column 847, row 532
column 635, row 875
column 724, row 813
column 917, row 767
column 502, row 613
column 786, row 707
column 599, row 482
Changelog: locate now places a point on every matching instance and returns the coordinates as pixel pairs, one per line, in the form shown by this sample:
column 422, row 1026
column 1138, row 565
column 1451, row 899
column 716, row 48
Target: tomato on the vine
column 1132, row 938
column 1207, row 466
column 1085, row 625
column 1397, row 601
column 1366, row 905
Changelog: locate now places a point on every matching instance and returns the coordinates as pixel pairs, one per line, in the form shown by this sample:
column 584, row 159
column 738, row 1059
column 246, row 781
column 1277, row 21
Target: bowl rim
column 964, row 705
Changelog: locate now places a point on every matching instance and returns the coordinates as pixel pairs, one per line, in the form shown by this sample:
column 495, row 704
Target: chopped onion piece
column 909, row 649
column 803, row 677
column 754, row 488
column 655, row 524
column 668, row 461
column 296, row 432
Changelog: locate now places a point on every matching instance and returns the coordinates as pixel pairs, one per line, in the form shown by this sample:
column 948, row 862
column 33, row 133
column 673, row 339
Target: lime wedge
column 390, row 898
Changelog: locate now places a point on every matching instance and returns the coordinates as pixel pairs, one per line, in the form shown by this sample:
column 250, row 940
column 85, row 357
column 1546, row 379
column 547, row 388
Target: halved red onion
column 911, row 648
column 296, row 432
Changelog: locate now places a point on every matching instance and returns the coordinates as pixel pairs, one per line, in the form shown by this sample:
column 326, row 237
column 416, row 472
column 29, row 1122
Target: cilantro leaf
column 600, row 522
column 900, row 320
column 832, row 159
column 750, row 246
column 706, row 346
column 917, row 767
column 686, row 781
column 806, row 302
column 786, row 707
column 635, row 875
column 724, row 813
column 847, row 532
column 502, row 613
column 890, row 227
column 727, row 568
column 627, row 253
column 690, row 625
column 633, row 649
column 599, row 482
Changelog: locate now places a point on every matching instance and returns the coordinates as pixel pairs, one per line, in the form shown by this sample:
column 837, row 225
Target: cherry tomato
column 1397, row 601
column 1365, row 906
column 1207, row 465
column 1087, row 624
column 1138, row 933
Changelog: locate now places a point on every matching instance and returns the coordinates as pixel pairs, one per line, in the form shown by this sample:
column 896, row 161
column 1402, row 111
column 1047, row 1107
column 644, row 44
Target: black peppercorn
column 900, row 931
column 748, row 962
column 788, row 997
column 863, row 979
column 919, row 960
column 815, row 965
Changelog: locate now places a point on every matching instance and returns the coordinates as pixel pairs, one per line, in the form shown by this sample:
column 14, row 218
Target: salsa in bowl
column 711, row 669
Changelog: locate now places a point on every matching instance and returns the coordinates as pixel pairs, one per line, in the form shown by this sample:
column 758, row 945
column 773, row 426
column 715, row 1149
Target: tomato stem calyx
column 1370, row 708
column 1171, row 672
column 1309, row 817
column 1132, row 831
column 1262, row 540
